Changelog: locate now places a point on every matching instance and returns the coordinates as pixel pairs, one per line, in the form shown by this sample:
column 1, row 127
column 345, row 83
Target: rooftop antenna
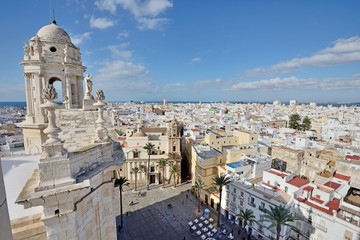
column 52, row 19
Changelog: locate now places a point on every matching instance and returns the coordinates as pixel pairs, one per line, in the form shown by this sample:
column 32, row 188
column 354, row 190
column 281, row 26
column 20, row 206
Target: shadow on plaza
column 159, row 221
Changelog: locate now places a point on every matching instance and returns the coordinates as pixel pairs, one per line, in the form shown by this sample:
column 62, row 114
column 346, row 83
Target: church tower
column 174, row 138
column 50, row 56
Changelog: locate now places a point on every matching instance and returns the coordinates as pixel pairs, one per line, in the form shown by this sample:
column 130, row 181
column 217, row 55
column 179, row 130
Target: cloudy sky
column 186, row 50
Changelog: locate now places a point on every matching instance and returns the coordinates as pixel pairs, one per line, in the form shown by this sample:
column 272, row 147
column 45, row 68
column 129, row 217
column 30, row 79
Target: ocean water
column 325, row 104
column 13, row 104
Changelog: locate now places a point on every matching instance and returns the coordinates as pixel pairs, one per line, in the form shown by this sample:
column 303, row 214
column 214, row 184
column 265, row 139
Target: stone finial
column 27, row 50
column 53, row 145
column 99, row 95
column 49, row 93
column 101, row 133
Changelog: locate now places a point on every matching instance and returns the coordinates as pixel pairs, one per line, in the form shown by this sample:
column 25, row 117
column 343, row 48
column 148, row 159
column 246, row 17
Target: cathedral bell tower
column 49, row 57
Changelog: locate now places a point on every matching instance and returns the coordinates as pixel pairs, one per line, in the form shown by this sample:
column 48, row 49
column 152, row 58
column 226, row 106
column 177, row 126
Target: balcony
column 252, row 204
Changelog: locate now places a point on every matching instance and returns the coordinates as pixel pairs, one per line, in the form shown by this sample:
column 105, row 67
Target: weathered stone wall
column 78, row 127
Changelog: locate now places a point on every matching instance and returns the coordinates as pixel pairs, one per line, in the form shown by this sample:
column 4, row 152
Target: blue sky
column 186, row 50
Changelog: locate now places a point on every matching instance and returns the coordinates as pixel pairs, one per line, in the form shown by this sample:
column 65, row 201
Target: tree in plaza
column 162, row 164
column 199, row 185
column 220, row 182
column 174, row 171
column 246, row 216
column 278, row 216
column 135, row 171
column 294, row 121
column 119, row 182
column 148, row 147
column 306, row 124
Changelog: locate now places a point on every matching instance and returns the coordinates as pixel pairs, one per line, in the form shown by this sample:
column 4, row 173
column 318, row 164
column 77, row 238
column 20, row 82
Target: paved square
column 151, row 218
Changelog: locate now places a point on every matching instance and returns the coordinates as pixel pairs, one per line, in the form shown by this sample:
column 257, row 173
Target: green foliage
column 246, row 216
column 306, row 124
column 119, row 182
column 149, row 147
column 278, row 216
column 199, row 185
column 163, row 163
column 294, row 121
column 220, row 182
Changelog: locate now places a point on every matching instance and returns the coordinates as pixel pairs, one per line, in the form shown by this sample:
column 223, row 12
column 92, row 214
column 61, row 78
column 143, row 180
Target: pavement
column 150, row 217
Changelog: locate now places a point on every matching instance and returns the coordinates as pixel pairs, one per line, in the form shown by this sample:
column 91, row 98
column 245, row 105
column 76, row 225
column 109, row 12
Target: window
column 241, row 203
column 152, row 169
column 234, row 199
column 136, row 154
column 234, row 190
column 174, row 148
column 286, row 189
column 252, row 201
column 242, row 193
column 53, row 49
column 262, row 205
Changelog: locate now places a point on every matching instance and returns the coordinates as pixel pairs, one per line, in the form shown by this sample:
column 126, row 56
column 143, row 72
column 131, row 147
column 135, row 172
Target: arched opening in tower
column 56, row 82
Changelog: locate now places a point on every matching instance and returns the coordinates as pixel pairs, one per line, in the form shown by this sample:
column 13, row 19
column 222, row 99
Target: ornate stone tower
column 174, row 138
column 50, row 56
column 79, row 159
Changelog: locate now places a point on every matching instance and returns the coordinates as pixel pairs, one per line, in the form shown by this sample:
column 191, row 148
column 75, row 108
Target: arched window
column 56, row 82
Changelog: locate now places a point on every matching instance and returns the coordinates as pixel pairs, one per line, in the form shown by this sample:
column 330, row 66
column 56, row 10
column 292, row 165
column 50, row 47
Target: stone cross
column 101, row 133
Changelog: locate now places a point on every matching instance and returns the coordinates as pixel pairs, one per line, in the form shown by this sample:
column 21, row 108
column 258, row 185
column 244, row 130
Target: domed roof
column 53, row 33
column 139, row 134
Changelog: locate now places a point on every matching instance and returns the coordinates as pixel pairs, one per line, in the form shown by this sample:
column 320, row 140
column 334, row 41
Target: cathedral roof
column 53, row 33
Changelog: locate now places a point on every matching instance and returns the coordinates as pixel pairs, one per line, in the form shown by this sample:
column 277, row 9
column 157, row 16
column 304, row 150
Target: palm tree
column 220, row 181
column 148, row 147
column 246, row 216
column 277, row 216
column 199, row 185
column 174, row 171
column 135, row 171
column 162, row 164
column 119, row 182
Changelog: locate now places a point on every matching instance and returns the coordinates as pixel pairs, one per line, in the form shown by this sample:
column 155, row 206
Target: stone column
column 101, row 133
column 53, row 145
column 29, row 100
column 68, row 91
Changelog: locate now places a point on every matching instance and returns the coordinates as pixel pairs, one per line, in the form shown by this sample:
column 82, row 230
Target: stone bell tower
column 50, row 56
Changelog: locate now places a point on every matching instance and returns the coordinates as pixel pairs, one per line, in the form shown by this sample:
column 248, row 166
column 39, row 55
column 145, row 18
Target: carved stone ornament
column 49, row 93
column 99, row 95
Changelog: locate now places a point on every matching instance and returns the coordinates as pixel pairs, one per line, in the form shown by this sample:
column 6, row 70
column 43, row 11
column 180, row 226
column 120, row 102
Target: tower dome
column 53, row 33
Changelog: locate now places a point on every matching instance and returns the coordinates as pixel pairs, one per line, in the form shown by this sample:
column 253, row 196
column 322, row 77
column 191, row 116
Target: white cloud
column 124, row 75
column 78, row 39
column 122, row 35
column 145, row 12
column 101, row 23
column 293, row 82
column 196, row 59
column 343, row 51
column 118, row 52
column 204, row 83
column 174, row 85
column 145, row 23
